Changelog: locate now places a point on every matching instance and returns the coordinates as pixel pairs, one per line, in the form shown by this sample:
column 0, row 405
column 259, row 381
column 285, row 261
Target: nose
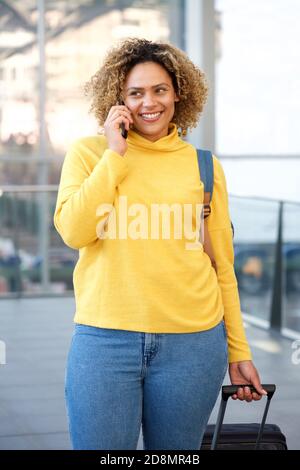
column 149, row 100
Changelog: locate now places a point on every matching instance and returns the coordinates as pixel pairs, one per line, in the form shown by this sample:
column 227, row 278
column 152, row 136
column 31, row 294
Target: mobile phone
column 124, row 131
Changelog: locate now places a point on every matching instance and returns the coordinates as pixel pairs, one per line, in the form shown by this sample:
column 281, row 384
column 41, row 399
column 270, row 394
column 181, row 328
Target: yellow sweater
column 133, row 272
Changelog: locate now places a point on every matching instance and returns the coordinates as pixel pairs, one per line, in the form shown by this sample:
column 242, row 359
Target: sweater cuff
column 237, row 356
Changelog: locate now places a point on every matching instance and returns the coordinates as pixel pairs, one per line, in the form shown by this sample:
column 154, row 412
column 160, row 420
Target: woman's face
column 150, row 96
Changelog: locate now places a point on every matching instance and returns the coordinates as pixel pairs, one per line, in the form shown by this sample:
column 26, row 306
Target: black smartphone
column 124, row 131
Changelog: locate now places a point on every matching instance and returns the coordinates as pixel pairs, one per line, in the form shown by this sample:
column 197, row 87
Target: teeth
column 150, row 116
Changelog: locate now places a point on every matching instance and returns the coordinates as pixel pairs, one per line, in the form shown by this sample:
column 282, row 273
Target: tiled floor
column 37, row 334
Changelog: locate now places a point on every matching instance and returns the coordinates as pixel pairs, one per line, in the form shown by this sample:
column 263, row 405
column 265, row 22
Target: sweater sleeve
column 86, row 182
column 219, row 227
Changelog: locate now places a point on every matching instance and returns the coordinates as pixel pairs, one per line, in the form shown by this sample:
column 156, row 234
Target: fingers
column 112, row 128
column 240, row 393
column 245, row 394
column 115, row 117
column 256, row 396
column 119, row 120
column 116, row 111
column 257, row 384
column 244, row 372
column 123, row 112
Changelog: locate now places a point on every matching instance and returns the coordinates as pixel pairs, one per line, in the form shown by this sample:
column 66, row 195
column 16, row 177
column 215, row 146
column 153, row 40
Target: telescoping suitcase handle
column 227, row 392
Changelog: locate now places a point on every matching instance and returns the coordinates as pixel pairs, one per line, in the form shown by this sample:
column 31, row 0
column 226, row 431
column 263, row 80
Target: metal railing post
column 276, row 305
column 43, row 167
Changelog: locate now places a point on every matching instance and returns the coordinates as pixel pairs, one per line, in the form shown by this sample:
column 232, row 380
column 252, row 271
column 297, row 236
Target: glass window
column 258, row 68
column 18, row 95
column 81, row 33
column 78, row 34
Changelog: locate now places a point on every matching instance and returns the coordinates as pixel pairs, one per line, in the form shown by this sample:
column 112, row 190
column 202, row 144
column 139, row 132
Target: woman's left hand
column 244, row 372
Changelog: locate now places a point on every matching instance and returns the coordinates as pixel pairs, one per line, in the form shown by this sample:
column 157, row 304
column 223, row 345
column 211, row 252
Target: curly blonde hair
column 190, row 84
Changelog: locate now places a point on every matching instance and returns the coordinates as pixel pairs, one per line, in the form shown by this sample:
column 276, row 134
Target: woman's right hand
column 117, row 114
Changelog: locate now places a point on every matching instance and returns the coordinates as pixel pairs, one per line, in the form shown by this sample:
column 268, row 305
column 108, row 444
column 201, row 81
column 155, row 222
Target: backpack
column 206, row 170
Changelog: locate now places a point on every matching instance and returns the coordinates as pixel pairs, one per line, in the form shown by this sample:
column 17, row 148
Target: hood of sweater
column 168, row 143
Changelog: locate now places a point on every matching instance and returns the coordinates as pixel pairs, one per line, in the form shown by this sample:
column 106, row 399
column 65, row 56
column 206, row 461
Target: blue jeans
column 118, row 380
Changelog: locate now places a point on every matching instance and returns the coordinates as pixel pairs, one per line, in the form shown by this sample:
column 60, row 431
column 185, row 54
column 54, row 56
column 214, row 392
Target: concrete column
column 200, row 47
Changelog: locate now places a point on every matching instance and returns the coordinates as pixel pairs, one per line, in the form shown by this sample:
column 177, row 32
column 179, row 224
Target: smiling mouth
column 151, row 117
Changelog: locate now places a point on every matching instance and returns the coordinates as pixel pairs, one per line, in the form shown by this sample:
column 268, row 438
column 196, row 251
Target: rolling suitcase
column 243, row 436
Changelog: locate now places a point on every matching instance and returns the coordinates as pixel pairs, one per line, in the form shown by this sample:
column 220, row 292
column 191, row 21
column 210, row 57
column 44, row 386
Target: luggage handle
column 228, row 391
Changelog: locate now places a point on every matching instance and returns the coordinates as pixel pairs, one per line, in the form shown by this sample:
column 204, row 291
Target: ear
column 176, row 99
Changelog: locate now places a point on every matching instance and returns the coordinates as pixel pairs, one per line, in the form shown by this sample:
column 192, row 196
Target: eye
column 134, row 93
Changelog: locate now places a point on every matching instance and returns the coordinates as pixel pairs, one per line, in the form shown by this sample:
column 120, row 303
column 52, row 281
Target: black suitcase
column 243, row 436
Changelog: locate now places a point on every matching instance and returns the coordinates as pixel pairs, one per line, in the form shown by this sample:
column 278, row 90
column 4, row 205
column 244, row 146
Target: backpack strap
column 206, row 170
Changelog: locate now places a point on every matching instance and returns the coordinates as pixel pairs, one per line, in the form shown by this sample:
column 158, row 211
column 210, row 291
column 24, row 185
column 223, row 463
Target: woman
column 155, row 326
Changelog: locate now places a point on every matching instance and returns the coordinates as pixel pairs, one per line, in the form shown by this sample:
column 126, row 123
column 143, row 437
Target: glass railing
column 35, row 261
column 255, row 222
column 33, row 258
column 267, row 260
column 291, row 267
